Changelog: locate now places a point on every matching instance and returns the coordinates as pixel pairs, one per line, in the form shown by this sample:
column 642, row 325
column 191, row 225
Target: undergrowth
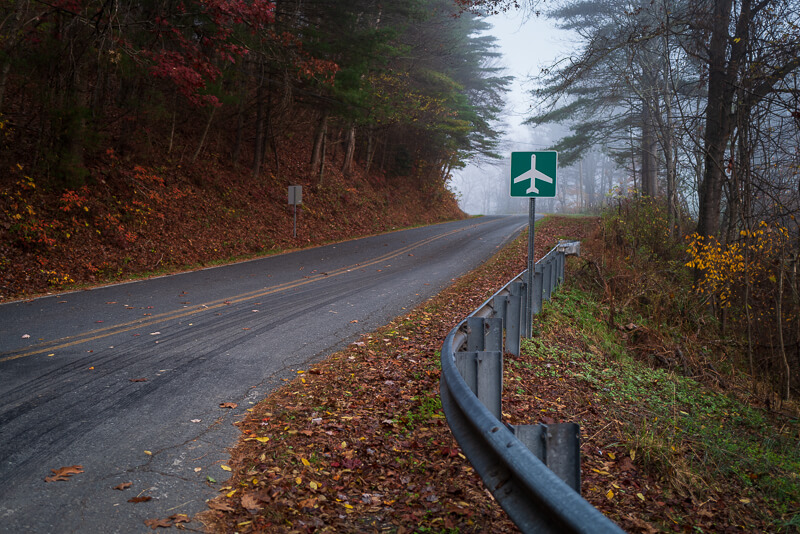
column 627, row 328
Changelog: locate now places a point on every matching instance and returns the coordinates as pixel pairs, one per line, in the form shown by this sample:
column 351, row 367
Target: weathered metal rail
column 533, row 471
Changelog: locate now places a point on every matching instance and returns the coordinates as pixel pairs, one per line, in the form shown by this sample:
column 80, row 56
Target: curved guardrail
column 533, row 471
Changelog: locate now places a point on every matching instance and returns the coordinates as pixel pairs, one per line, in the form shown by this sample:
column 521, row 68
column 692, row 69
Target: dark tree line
column 407, row 87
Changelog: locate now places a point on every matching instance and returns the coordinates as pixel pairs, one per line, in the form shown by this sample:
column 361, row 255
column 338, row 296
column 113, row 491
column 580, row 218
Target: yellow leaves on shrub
column 726, row 267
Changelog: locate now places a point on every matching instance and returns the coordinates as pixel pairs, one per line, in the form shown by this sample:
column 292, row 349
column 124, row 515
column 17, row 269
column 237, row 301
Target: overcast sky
column 527, row 44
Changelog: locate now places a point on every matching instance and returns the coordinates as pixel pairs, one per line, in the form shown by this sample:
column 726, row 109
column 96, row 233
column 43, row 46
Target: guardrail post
column 500, row 306
column 557, row 446
column 537, row 289
column 562, row 260
column 547, row 282
column 484, row 334
column 483, row 373
column 554, row 270
column 514, row 317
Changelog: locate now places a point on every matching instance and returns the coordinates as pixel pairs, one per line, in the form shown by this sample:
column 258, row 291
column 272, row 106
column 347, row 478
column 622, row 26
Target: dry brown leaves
column 63, row 473
column 359, row 443
column 171, row 521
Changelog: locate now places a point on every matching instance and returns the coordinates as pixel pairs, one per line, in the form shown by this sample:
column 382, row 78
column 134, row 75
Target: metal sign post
column 295, row 198
column 533, row 174
column 528, row 330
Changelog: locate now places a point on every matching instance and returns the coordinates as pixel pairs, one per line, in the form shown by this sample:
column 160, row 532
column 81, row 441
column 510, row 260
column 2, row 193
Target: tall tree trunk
column 205, row 134
column 723, row 69
column 786, row 393
column 174, row 118
column 14, row 35
column 258, row 143
column 633, row 158
column 318, row 154
column 370, row 151
column 648, row 148
column 350, row 149
column 239, row 136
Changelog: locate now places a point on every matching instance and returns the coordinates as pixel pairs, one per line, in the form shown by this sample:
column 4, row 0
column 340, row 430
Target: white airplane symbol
column 533, row 175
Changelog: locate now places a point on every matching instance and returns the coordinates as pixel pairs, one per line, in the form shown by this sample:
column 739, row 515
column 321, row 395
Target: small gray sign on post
column 295, row 195
column 295, row 198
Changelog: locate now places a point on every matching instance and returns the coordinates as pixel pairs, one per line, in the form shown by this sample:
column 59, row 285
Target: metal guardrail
column 533, row 471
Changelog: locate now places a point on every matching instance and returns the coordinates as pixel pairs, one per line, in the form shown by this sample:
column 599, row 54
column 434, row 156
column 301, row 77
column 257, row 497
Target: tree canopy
column 79, row 77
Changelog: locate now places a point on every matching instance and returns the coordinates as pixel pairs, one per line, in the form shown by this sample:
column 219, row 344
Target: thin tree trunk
column 370, row 151
column 633, row 159
column 779, row 317
column 237, row 144
column 318, row 153
column 174, row 117
column 258, row 142
column 347, row 166
column 205, row 133
column 649, row 163
column 322, row 159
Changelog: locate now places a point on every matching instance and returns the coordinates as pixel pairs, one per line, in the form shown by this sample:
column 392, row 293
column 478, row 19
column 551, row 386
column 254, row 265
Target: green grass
column 678, row 427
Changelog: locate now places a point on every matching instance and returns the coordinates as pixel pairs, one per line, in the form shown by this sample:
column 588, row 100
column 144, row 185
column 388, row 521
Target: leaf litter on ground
column 359, row 442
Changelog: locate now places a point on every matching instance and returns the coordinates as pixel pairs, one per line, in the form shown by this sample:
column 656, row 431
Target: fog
column 528, row 44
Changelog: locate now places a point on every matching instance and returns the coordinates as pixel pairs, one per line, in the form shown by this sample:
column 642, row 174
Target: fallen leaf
column 225, row 467
column 63, row 473
column 142, row 498
column 138, row 380
column 180, row 518
column 156, row 523
column 26, row 336
column 610, row 494
column 123, row 486
column 626, row 465
column 219, row 505
column 148, row 453
column 196, row 420
column 228, row 405
column 198, row 469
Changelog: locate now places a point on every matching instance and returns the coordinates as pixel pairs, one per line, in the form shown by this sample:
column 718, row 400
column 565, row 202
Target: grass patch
column 702, row 443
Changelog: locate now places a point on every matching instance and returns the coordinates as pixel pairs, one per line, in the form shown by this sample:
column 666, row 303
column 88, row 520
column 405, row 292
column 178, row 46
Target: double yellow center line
column 107, row 331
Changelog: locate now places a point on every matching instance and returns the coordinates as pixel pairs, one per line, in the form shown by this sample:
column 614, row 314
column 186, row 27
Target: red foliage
column 189, row 61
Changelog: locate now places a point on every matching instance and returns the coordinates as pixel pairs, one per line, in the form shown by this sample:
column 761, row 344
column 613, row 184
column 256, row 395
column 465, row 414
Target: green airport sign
column 533, row 174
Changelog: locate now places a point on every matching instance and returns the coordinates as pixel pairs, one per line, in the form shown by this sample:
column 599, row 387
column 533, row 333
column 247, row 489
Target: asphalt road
column 97, row 378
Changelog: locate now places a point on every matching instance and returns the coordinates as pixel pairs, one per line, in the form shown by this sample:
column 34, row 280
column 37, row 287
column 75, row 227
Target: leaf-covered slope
column 141, row 220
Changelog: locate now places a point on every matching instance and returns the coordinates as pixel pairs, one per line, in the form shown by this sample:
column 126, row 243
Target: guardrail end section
column 570, row 248
column 557, row 446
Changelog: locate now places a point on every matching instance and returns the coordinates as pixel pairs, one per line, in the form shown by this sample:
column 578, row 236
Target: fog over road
column 96, row 378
